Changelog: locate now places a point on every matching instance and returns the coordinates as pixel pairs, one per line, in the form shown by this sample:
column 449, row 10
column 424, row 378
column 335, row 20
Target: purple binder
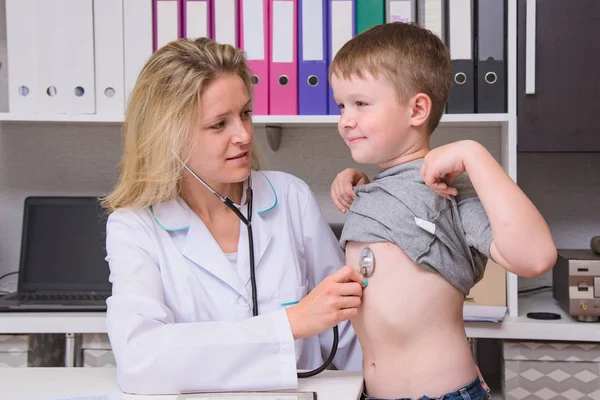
column 313, row 85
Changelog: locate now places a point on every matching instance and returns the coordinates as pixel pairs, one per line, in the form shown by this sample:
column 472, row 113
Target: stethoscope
column 366, row 262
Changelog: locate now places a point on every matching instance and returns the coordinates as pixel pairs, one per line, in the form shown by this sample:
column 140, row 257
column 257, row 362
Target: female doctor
column 180, row 318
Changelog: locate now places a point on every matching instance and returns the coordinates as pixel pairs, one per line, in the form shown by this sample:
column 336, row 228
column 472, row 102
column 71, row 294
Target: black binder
column 491, row 56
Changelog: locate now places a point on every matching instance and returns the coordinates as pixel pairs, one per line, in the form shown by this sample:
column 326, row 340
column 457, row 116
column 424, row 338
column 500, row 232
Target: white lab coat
column 180, row 316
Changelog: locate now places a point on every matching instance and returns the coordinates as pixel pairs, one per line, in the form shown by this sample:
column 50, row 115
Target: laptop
column 62, row 265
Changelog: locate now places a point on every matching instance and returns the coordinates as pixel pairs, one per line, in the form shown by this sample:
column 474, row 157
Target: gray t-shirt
column 448, row 236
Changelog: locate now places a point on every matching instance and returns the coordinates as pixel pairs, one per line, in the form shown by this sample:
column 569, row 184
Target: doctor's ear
column 420, row 106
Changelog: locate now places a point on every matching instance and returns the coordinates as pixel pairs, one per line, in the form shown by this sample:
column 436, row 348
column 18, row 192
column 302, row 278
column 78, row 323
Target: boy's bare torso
column 410, row 327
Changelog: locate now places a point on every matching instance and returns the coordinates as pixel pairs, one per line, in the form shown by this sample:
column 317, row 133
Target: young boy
column 392, row 83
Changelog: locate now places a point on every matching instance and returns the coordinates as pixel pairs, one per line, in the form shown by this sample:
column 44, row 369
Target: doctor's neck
column 203, row 202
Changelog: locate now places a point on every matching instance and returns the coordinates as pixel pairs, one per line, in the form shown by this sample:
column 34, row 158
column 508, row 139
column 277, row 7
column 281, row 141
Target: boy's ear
column 421, row 108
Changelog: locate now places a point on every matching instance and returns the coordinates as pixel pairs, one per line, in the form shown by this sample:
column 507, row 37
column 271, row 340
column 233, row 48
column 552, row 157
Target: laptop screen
column 63, row 245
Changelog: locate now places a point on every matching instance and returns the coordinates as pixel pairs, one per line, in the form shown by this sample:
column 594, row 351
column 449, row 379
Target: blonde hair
column 414, row 59
column 162, row 109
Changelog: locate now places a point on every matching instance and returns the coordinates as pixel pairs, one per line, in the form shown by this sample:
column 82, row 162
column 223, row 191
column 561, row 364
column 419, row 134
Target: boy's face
column 376, row 127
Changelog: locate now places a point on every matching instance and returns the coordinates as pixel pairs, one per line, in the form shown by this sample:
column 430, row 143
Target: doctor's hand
column 342, row 189
column 334, row 300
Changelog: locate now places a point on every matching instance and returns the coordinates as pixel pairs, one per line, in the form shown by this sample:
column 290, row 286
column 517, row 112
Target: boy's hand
column 342, row 193
column 442, row 165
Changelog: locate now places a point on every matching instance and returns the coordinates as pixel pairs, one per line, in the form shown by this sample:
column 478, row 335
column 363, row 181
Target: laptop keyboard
column 62, row 296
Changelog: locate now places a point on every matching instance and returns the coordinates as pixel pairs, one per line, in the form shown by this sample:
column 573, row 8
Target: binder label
column 401, row 11
column 341, row 25
column 225, row 22
column 254, row 29
column 196, row 20
column 283, row 31
column 312, row 31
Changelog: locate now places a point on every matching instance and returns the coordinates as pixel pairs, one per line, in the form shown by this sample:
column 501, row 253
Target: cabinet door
column 563, row 113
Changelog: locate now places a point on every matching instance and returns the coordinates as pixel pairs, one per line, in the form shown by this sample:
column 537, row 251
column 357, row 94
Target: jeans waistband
column 472, row 391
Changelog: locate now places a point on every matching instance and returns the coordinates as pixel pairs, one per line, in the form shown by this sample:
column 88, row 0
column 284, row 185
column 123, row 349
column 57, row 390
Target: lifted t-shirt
column 448, row 236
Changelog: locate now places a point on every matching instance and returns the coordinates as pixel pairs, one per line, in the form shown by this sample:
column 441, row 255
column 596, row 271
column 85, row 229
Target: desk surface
column 42, row 383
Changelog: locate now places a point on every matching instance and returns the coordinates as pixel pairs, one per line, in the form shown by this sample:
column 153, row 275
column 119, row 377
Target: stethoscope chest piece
column 366, row 264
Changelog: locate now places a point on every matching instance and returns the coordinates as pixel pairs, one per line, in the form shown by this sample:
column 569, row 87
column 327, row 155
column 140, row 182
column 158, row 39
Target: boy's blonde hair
column 414, row 59
column 162, row 111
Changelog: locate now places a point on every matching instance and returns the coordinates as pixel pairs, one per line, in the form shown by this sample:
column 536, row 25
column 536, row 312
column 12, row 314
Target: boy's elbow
column 543, row 262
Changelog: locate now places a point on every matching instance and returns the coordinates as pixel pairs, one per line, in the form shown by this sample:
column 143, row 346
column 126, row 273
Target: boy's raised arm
column 522, row 242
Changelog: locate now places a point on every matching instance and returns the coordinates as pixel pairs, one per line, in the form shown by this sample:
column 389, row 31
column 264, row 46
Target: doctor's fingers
column 350, row 289
column 345, row 302
column 348, row 274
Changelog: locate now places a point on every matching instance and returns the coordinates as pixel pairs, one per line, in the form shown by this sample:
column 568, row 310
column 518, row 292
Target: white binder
column 137, row 35
column 65, row 46
column 77, row 71
column 50, row 49
column 21, row 32
column 108, row 57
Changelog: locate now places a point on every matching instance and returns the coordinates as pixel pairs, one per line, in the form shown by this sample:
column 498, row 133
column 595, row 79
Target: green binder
column 369, row 13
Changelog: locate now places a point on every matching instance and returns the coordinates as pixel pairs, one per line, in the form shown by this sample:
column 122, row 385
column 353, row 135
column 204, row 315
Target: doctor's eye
column 360, row 104
column 247, row 114
column 340, row 106
column 218, row 125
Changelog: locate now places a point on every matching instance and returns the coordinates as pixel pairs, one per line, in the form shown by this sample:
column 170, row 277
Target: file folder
column 108, row 57
column 401, row 11
column 66, row 76
column 225, row 22
column 341, row 29
column 167, row 20
column 77, row 71
column 283, row 68
column 196, row 18
column 491, row 59
column 254, row 20
column 137, row 35
column 369, row 13
column 50, row 48
column 459, row 37
column 430, row 15
column 313, row 89
column 21, row 36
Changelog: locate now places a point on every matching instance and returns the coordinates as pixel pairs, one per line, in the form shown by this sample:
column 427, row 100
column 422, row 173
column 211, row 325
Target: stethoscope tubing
column 248, row 222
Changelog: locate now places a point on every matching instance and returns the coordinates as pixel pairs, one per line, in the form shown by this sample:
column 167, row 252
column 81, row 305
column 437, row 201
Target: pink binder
column 254, row 40
column 283, row 68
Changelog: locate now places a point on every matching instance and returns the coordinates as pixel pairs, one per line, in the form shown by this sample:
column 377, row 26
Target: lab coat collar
column 175, row 215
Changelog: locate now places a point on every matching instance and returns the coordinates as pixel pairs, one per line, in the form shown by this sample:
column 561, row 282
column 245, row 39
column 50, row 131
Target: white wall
column 82, row 159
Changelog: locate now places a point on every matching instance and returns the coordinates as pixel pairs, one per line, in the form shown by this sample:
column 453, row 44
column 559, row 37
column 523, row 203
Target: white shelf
column 261, row 120
column 523, row 328
column 520, row 327
column 52, row 322
column 12, row 117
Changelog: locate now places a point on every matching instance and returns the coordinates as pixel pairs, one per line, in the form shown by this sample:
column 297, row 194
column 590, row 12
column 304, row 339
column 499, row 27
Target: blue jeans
column 472, row 391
